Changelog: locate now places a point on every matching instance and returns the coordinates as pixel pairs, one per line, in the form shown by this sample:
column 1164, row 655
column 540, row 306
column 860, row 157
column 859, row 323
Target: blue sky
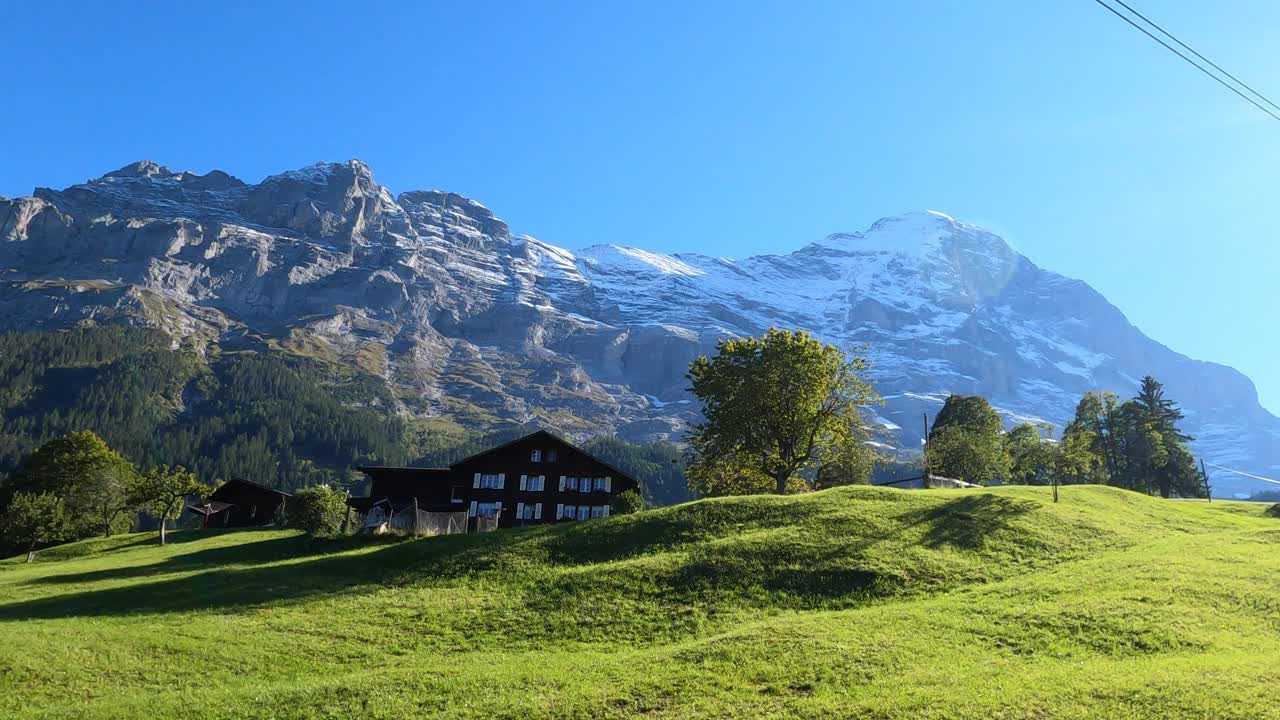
column 729, row 128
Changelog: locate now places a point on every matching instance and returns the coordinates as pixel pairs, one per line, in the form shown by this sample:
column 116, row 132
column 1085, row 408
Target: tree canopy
column 34, row 520
column 1033, row 458
column 965, row 442
column 1134, row 444
column 626, row 502
column 317, row 510
column 778, row 406
column 91, row 478
column 162, row 491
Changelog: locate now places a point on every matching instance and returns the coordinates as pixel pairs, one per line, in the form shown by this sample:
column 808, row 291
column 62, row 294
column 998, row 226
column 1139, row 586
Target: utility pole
column 346, row 520
column 924, row 452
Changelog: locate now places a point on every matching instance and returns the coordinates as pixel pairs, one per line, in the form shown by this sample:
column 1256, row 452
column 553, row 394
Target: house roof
column 246, row 483
column 368, row 469
column 554, row 438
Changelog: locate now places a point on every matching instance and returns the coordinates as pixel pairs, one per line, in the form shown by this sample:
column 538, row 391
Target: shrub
column 317, row 510
column 34, row 520
column 1273, row 511
column 626, row 503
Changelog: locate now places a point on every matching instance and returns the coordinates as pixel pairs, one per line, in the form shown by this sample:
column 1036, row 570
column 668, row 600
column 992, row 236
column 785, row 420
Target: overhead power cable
column 1241, row 472
column 1192, row 50
column 1189, row 61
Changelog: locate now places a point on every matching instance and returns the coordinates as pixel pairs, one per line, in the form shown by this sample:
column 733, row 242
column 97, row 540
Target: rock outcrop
column 434, row 294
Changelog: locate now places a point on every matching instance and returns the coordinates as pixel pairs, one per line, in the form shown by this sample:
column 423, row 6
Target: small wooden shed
column 240, row 503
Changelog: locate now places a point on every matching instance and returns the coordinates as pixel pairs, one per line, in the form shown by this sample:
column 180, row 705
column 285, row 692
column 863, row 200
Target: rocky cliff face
column 462, row 318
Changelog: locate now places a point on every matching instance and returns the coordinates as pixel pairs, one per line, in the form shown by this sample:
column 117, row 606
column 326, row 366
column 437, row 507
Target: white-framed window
column 535, row 456
column 491, row 481
column 571, row 484
column 455, row 495
column 602, row 484
column 537, row 511
column 597, row 511
column 535, row 483
column 570, row 512
column 584, row 512
column 487, row 509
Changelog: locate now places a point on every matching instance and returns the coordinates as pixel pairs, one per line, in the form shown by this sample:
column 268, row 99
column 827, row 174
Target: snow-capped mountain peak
column 468, row 320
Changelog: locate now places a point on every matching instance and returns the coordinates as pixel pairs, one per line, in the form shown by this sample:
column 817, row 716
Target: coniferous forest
column 272, row 418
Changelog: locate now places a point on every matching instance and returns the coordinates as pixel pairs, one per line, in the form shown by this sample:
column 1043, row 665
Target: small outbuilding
column 924, row 482
column 240, row 503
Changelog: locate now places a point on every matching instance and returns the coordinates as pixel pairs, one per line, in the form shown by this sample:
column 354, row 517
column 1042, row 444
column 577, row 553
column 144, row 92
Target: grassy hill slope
column 860, row 602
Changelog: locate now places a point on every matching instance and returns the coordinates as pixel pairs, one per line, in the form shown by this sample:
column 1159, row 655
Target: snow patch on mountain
column 475, row 321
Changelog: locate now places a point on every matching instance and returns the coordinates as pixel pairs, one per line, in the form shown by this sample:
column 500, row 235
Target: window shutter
column 497, row 509
column 606, row 511
column 519, row 511
column 475, row 483
column 537, row 511
column 524, row 480
column 474, row 504
column 542, row 482
column 559, row 511
column 502, row 481
column 608, row 484
column 561, row 485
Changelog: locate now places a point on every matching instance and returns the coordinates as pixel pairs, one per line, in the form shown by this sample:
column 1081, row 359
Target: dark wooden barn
column 539, row 478
column 240, row 503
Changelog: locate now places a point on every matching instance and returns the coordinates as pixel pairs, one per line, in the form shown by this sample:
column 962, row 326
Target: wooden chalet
column 539, row 478
column 240, row 503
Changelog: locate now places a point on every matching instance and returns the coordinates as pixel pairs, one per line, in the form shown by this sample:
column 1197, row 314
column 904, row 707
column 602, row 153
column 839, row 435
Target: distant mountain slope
column 461, row 318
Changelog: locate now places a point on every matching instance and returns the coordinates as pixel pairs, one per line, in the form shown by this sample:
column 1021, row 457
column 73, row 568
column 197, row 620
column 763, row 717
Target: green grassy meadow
column 854, row 602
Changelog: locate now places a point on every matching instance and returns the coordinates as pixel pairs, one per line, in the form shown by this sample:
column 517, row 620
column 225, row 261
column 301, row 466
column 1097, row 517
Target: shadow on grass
column 967, row 522
column 831, row 567
column 629, row 536
column 329, row 571
column 284, row 547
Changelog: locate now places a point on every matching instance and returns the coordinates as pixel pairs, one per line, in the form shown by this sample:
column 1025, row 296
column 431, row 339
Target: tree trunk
column 163, row 522
column 782, row 478
column 31, row 553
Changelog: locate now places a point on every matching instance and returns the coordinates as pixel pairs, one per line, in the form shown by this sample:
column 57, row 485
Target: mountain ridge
column 431, row 291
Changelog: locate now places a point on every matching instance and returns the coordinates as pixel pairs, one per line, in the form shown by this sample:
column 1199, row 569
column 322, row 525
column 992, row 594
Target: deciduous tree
column 720, row 476
column 626, row 503
column 959, row 452
column 1033, row 458
column 777, row 404
column 965, row 442
column 90, row 477
column 162, row 491
column 34, row 520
